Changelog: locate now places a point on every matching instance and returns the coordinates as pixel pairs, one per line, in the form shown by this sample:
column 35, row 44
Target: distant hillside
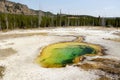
column 18, row 8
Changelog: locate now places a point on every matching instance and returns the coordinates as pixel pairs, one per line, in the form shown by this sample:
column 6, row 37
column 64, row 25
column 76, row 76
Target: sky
column 107, row 8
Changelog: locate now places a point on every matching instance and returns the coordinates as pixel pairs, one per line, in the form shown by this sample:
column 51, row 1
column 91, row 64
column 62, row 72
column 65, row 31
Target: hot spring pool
column 61, row 54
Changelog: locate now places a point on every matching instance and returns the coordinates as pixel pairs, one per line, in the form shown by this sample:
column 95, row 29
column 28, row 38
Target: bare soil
column 6, row 52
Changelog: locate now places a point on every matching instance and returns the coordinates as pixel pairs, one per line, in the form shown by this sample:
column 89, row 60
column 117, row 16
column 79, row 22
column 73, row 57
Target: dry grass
column 104, row 78
column 6, row 36
column 107, row 61
column 113, row 39
column 6, row 52
column 2, row 69
column 109, row 66
column 118, row 33
column 87, row 66
column 79, row 39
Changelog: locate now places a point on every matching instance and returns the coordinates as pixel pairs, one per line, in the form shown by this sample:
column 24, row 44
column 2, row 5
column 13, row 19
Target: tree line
column 20, row 21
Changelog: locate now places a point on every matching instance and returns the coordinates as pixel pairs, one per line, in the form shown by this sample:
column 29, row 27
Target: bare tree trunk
column 39, row 19
column 6, row 18
column 39, row 16
column 14, row 21
column 68, row 22
column 103, row 21
column 93, row 23
column 31, row 21
column 0, row 25
column 7, row 25
column 84, row 21
column 52, row 21
column 76, row 22
column 60, row 18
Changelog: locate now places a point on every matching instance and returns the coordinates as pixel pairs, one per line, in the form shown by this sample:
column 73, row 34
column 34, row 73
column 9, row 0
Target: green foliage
column 18, row 21
column 48, row 20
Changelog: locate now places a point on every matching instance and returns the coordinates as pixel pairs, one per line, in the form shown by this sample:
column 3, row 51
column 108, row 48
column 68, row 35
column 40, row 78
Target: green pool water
column 61, row 54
